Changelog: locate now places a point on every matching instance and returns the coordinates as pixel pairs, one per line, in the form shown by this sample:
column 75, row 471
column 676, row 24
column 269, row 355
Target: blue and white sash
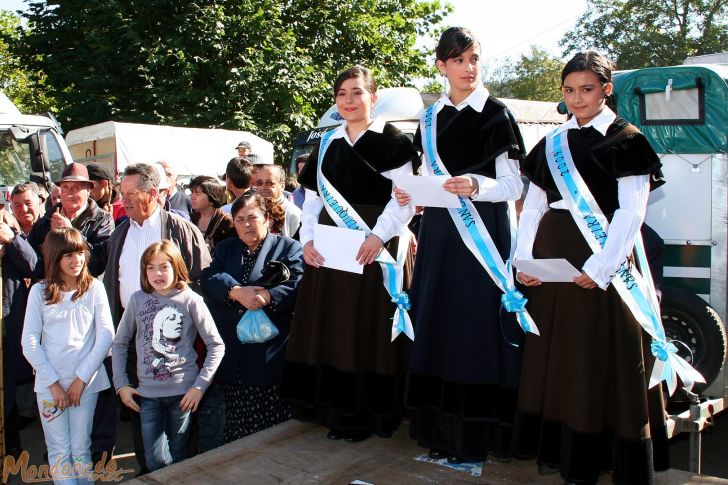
column 345, row 216
column 473, row 232
column 636, row 290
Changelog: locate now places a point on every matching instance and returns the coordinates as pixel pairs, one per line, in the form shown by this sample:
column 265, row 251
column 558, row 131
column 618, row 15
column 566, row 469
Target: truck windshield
column 15, row 159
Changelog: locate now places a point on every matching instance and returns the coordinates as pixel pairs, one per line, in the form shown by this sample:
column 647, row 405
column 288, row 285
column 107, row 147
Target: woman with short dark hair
column 233, row 285
column 207, row 196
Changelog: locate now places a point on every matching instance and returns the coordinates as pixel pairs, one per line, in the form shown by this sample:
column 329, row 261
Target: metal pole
column 695, row 452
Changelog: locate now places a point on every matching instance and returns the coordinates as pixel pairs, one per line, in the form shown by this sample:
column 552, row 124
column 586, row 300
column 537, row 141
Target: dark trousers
column 103, row 433
column 211, row 419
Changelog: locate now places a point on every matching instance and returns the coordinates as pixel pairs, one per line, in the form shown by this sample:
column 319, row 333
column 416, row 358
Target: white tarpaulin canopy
column 192, row 151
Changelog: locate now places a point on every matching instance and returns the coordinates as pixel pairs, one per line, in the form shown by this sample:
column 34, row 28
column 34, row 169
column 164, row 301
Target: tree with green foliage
column 265, row 66
column 26, row 89
column 535, row 76
column 641, row 33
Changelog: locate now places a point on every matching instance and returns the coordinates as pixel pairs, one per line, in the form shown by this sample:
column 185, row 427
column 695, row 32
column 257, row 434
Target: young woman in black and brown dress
column 465, row 362
column 584, row 405
column 342, row 369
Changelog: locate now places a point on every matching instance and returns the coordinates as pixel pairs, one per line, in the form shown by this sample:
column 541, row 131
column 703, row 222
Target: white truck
column 30, row 147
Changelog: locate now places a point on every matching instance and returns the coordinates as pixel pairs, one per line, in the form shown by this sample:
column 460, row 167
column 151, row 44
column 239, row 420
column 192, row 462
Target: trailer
column 192, row 151
column 683, row 112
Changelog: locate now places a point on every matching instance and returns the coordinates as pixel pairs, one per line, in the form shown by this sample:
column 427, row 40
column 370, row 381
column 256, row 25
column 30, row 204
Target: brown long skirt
column 342, row 369
column 583, row 404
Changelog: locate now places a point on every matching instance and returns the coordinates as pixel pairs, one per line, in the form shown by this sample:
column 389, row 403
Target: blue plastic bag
column 255, row 327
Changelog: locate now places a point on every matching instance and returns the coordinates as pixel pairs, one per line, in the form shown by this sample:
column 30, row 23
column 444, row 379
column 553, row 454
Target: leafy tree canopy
column 535, row 76
column 26, row 89
column 641, row 33
column 261, row 65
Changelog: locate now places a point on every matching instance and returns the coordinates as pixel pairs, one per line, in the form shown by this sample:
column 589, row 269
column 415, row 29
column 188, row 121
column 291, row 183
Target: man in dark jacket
column 79, row 211
column 18, row 263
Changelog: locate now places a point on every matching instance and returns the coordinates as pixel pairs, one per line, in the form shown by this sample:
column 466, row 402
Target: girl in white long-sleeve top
column 66, row 335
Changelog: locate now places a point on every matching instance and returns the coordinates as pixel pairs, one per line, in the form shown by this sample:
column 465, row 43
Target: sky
column 505, row 28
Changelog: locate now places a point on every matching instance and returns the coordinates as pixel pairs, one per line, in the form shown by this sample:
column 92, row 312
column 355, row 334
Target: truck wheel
column 690, row 320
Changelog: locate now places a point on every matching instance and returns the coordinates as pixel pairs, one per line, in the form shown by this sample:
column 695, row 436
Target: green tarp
column 708, row 134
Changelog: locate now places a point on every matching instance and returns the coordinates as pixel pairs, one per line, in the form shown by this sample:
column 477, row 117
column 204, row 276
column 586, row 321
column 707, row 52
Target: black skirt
column 584, row 405
column 465, row 360
column 342, row 369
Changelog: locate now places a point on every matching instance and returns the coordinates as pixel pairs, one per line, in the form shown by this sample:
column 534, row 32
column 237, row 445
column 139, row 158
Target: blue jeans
column 68, row 438
column 165, row 429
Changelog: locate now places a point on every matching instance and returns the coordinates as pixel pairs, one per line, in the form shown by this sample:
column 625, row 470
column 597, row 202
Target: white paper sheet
column 426, row 191
column 548, row 270
column 339, row 247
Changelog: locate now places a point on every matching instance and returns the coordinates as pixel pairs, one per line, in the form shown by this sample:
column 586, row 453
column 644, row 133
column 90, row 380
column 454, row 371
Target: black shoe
column 501, row 458
column 357, row 436
column 335, row 434
column 437, row 454
column 544, row 469
column 455, row 460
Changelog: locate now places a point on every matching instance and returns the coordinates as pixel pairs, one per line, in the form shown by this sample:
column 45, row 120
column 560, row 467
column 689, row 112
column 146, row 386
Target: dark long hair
column 590, row 61
column 353, row 72
column 453, row 42
column 58, row 242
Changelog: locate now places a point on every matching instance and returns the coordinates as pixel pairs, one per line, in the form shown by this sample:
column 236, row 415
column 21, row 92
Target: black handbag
column 274, row 274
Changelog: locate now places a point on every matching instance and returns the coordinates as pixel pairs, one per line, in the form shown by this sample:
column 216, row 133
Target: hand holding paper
column 339, row 247
column 548, row 270
column 426, row 191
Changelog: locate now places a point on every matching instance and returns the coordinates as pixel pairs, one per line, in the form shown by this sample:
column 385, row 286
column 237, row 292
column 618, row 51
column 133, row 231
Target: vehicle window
column 14, row 160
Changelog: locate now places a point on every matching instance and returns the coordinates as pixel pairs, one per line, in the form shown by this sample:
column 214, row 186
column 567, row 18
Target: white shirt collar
column 600, row 122
column 475, row 100
column 153, row 220
column 377, row 126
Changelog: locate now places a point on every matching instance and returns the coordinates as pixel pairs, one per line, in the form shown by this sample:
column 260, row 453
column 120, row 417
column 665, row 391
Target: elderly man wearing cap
column 244, row 149
column 104, row 193
column 76, row 210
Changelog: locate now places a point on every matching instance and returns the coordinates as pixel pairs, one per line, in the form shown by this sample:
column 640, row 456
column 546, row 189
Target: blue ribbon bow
column 662, row 349
column 513, row 301
column 401, row 300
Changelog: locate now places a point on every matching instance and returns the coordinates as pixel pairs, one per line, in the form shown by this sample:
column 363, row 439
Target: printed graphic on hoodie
column 162, row 326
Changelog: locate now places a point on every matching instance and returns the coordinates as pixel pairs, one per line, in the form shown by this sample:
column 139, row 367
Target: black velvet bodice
column 469, row 142
column 356, row 170
column 601, row 160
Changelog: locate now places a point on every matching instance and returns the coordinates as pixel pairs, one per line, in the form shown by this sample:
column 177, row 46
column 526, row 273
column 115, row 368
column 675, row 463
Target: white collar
column 154, row 220
column 600, row 122
column 475, row 100
column 377, row 126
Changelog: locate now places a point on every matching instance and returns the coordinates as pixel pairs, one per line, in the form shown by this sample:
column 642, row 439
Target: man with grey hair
column 25, row 202
column 148, row 223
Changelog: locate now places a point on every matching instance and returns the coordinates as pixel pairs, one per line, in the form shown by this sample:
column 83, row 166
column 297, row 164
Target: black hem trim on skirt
column 583, row 457
column 468, row 421
column 346, row 401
